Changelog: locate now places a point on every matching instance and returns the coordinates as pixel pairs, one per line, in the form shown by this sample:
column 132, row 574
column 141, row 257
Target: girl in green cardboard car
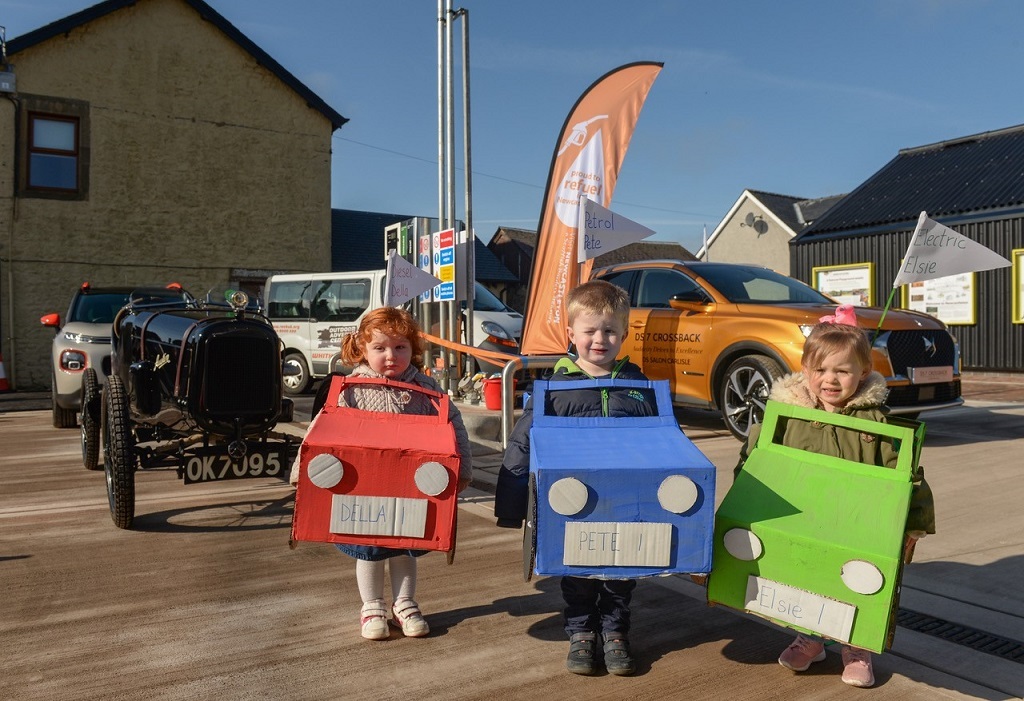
column 837, row 377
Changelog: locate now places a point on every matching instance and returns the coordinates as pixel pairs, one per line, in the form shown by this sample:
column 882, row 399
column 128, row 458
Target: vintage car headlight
column 325, row 470
column 677, row 493
column 742, row 544
column 238, row 300
column 431, row 478
column 862, row 577
column 568, row 496
column 72, row 360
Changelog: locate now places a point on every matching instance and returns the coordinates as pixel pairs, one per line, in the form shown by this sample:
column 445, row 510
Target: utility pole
column 450, row 317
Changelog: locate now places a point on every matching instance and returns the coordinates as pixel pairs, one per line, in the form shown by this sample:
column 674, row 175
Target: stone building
column 144, row 142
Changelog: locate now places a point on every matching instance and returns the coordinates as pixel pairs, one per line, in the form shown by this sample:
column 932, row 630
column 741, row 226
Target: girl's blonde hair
column 828, row 338
column 388, row 320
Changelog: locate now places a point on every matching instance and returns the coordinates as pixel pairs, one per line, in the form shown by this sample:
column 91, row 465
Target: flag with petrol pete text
column 601, row 230
column 937, row 251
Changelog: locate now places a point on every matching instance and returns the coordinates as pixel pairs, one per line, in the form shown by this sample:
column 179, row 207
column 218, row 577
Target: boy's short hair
column 598, row 297
column 828, row 338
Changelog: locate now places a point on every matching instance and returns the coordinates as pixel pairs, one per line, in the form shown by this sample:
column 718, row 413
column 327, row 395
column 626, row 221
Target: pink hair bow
column 844, row 315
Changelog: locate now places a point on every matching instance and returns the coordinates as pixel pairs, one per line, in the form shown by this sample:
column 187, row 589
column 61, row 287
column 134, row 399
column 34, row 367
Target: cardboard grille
column 376, row 478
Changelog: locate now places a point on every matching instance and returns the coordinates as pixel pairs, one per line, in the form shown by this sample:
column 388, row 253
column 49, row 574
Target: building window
column 53, row 148
column 52, row 152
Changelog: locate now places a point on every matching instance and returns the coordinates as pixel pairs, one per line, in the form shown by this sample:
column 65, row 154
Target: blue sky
column 803, row 98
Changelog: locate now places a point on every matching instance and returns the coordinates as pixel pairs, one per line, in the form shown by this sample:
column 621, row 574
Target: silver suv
column 81, row 348
column 82, row 341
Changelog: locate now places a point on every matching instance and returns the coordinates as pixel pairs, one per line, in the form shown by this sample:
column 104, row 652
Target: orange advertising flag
column 586, row 162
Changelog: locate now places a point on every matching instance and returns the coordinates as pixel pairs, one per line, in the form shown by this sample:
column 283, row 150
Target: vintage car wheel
column 296, row 384
column 744, row 391
column 62, row 418
column 118, row 453
column 530, row 532
column 89, row 419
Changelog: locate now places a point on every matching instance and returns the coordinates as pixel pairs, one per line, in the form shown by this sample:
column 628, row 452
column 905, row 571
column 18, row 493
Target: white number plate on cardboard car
column 212, row 464
column 801, row 608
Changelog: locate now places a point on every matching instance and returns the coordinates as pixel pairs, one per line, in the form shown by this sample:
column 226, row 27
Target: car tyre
column 530, row 531
column 744, row 390
column 62, row 418
column 296, row 384
column 89, row 419
column 118, row 453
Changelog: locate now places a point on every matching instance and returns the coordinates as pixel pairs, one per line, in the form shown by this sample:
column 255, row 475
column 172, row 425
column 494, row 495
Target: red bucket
column 492, row 393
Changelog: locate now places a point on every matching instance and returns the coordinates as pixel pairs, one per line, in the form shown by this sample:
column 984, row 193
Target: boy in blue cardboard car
column 592, row 511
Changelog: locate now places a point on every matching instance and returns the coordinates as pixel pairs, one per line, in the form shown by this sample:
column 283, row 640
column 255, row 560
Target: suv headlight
column 83, row 338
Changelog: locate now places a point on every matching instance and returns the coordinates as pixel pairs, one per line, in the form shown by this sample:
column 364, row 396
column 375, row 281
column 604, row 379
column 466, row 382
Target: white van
column 312, row 313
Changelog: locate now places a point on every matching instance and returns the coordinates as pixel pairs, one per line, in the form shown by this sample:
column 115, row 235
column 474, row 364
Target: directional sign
column 444, row 265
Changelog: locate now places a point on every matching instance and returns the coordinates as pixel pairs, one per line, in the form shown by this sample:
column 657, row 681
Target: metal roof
column 969, row 175
column 357, row 243
column 78, row 19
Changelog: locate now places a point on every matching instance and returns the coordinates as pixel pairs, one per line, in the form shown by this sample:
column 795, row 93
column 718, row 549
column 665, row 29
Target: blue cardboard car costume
column 814, row 542
column 617, row 498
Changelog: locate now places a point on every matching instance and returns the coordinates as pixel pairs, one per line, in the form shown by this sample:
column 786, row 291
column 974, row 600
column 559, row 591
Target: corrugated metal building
column 975, row 186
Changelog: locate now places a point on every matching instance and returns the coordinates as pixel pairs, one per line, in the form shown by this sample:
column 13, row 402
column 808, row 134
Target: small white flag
column 602, row 230
column 405, row 281
column 937, row 251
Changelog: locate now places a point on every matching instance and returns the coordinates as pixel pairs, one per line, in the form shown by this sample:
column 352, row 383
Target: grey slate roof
column 782, row 206
column 357, row 243
column 796, row 212
column 644, row 250
column 640, row 250
column 970, row 175
column 73, row 21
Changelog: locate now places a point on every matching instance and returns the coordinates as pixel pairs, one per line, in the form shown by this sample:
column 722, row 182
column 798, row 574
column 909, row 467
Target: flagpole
column 888, row 303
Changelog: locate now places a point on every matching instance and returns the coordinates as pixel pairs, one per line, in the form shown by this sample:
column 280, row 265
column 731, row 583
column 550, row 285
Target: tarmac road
column 204, row 599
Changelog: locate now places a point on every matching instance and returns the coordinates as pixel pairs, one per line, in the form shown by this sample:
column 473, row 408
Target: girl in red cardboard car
column 387, row 344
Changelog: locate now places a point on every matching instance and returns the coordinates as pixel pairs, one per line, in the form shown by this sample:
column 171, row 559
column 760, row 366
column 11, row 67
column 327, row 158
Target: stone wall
column 200, row 161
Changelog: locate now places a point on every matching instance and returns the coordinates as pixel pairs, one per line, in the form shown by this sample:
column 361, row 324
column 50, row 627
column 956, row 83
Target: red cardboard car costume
column 377, row 478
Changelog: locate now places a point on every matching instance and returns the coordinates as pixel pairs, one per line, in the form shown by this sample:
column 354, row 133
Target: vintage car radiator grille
column 919, row 348
column 236, row 373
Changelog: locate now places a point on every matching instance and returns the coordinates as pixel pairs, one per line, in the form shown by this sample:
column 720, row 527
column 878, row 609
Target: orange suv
column 720, row 333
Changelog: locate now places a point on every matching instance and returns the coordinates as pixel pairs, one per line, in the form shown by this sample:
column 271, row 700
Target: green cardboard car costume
column 815, row 542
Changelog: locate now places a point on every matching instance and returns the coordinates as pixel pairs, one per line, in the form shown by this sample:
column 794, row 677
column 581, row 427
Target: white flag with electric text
column 937, row 251
column 602, row 230
column 405, row 281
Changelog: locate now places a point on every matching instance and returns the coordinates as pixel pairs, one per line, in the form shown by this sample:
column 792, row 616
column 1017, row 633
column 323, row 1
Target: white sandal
column 374, row 620
column 408, row 617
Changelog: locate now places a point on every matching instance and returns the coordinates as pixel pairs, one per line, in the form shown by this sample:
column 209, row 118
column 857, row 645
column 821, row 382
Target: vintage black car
column 195, row 385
